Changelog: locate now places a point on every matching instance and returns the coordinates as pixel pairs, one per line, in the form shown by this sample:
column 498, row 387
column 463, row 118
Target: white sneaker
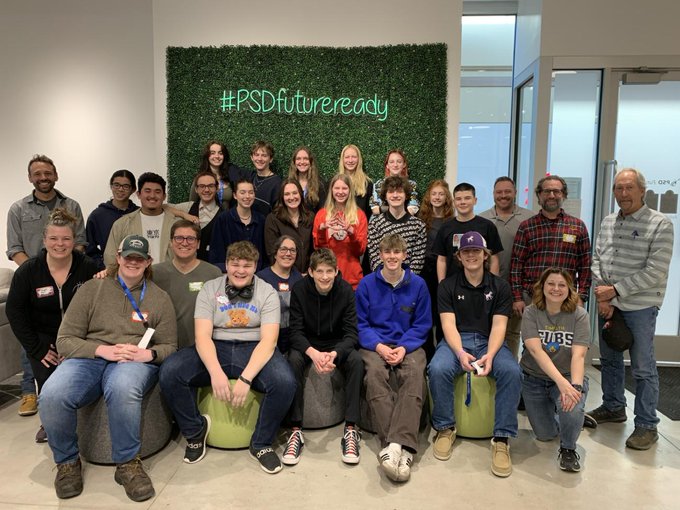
column 404, row 468
column 389, row 462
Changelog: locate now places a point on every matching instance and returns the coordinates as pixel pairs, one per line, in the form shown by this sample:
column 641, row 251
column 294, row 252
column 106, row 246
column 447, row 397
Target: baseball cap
column 134, row 245
column 471, row 240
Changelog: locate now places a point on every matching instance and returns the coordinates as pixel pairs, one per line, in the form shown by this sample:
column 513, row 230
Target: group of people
column 258, row 279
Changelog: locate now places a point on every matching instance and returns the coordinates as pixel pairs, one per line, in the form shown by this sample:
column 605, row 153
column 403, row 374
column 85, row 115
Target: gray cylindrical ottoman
column 94, row 439
column 324, row 399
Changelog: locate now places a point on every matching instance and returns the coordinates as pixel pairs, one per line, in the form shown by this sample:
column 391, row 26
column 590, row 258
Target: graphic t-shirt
column 237, row 319
column 557, row 334
column 151, row 229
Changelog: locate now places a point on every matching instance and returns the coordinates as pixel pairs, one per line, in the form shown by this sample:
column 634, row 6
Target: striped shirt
column 541, row 243
column 633, row 253
column 410, row 228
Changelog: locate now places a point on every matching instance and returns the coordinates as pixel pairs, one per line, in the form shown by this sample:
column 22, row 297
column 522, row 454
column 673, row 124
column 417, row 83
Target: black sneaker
column 350, row 445
column 569, row 460
column 41, row 435
column 69, row 480
column 296, row 442
column 604, row 415
column 269, row 461
column 196, row 446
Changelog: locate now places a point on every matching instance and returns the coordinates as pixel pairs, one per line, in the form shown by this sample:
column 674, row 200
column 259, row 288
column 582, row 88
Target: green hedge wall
column 411, row 78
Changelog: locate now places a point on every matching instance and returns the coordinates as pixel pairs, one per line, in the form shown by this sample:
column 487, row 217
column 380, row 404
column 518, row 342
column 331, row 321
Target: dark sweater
column 34, row 307
column 98, row 227
column 327, row 323
column 228, row 228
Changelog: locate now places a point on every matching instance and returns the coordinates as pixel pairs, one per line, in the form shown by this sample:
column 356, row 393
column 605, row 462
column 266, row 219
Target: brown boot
column 137, row 483
column 69, row 480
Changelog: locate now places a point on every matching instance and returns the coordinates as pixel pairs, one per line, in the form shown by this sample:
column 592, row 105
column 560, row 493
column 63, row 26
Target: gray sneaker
column 642, row 439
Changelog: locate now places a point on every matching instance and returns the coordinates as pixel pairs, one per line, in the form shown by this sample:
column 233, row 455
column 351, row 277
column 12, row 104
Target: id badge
column 144, row 342
column 569, row 238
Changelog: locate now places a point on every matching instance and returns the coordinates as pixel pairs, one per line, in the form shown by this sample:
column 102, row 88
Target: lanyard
column 132, row 299
column 220, row 192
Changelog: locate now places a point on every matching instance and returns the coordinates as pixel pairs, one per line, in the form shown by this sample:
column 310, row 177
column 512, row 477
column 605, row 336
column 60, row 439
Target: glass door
column 647, row 123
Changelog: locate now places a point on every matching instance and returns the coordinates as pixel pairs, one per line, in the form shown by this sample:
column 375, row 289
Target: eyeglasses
column 202, row 187
column 292, row 251
column 185, row 239
column 124, row 187
column 556, row 192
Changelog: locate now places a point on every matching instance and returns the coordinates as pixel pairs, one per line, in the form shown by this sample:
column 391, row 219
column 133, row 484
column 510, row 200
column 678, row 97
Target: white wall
column 77, row 85
column 308, row 23
column 83, row 81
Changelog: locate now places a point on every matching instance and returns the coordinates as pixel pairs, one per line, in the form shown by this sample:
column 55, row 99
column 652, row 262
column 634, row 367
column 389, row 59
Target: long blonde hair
column 351, row 214
column 359, row 178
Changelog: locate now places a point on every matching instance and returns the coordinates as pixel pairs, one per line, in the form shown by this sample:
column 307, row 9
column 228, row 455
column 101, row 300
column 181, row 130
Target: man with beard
column 26, row 220
column 551, row 238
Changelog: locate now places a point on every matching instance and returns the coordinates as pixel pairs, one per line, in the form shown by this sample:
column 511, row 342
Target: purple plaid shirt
column 541, row 243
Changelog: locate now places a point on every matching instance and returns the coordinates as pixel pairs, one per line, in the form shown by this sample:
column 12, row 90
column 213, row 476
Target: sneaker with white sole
column 269, row 461
column 196, row 446
column 389, row 462
column 404, row 468
column 350, row 445
column 296, row 442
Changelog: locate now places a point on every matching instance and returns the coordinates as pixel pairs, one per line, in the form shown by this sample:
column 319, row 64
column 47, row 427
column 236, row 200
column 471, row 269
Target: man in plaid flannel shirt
column 551, row 238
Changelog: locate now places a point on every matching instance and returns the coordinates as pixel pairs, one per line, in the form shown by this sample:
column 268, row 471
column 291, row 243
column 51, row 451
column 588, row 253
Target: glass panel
column 647, row 139
column 485, row 101
column 524, row 127
column 573, row 131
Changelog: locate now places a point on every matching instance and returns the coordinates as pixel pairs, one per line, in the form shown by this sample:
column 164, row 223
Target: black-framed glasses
column 201, row 187
column 185, row 239
column 556, row 192
column 292, row 251
column 124, row 187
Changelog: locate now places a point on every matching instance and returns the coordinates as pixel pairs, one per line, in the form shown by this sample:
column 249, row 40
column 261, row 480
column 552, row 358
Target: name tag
column 195, row 286
column 135, row 316
column 284, row 287
column 569, row 238
column 456, row 240
column 44, row 291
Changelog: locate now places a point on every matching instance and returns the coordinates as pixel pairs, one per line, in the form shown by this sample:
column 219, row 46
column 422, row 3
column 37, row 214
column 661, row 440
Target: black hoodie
column 327, row 323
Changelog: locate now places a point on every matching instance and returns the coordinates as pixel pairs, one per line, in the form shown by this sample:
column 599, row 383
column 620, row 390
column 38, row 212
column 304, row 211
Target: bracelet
column 243, row 379
column 577, row 387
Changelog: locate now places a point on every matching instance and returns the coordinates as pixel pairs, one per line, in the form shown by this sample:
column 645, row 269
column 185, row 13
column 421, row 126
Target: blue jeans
column 183, row 373
column 78, row 382
column 445, row 366
column 27, row 379
column 642, row 324
column 544, row 410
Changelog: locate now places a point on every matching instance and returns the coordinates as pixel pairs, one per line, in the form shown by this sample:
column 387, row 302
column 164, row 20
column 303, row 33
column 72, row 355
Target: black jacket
column 327, row 323
column 35, row 304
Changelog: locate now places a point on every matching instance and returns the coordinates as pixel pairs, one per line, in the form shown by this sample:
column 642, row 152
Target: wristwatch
column 154, row 354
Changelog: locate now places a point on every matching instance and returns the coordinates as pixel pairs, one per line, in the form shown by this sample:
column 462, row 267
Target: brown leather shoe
column 137, row 483
column 69, row 480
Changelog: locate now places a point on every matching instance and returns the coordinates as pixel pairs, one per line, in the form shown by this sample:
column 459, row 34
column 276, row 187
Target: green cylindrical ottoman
column 230, row 427
column 474, row 420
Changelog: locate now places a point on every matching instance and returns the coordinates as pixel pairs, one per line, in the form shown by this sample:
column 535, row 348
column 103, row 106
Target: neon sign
column 287, row 102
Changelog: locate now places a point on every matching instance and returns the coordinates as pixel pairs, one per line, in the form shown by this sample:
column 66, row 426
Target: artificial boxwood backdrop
column 375, row 97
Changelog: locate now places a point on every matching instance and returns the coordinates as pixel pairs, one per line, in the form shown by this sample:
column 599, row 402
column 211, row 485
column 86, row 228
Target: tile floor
column 613, row 476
